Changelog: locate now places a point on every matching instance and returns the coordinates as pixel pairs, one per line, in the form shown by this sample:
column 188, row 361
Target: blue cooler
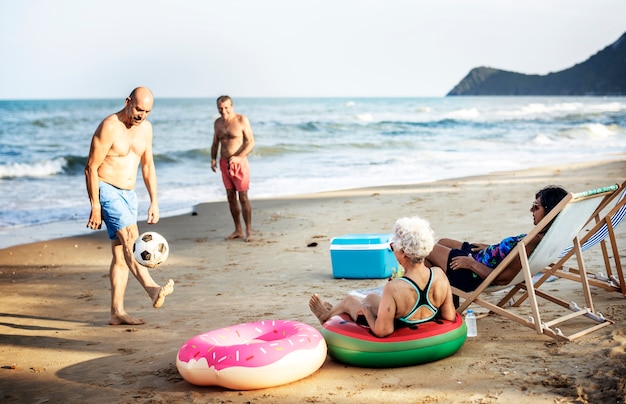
column 362, row 256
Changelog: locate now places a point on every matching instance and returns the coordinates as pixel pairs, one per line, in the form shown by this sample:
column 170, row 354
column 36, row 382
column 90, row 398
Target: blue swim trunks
column 119, row 208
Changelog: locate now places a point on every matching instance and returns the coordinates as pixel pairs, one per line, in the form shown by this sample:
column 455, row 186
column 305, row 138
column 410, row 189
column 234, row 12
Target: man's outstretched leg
column 123, row 261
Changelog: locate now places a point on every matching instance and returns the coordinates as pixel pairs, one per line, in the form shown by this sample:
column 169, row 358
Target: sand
column 56, row 345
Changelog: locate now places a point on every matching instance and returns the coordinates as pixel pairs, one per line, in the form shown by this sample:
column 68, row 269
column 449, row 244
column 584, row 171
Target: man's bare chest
column 128, row 145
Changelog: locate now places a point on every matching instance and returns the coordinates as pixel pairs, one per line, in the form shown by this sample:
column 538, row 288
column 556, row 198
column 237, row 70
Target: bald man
column 121, row 143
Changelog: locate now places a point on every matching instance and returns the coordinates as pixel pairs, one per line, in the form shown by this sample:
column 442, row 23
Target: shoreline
column 57, row 346
column 15, row 236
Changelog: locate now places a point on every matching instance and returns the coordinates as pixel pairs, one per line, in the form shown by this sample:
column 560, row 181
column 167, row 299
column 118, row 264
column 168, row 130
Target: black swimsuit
column 422, row 301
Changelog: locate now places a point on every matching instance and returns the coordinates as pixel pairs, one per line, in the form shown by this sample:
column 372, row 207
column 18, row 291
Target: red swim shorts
column 235, row 175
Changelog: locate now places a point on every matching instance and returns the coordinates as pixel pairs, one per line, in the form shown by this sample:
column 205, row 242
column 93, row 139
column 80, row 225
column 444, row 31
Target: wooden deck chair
column 568, row 218
column 603, row 233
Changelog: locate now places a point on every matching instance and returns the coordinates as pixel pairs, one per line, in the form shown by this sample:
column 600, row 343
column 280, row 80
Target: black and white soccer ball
column 151, row 249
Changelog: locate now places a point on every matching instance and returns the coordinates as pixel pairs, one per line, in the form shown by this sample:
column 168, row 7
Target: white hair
column 414, row 237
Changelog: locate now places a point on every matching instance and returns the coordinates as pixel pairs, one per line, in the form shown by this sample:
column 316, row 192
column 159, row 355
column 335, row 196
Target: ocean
column 303, row 145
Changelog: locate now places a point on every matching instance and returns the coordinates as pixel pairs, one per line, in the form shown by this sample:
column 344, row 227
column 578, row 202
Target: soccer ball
column 151, row 249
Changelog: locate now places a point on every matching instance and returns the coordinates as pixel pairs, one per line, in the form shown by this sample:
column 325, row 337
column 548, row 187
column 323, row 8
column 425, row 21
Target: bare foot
column 248, row 236
column 117, row 319
column 159, row 298
column 320, row 308
column 235, row 234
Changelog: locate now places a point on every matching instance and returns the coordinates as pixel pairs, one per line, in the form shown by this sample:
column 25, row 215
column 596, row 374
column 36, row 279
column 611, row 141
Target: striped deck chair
column 564, row 222
column 603, row 233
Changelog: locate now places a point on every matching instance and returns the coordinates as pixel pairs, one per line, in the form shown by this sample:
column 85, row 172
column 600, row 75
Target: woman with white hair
column 421, row 294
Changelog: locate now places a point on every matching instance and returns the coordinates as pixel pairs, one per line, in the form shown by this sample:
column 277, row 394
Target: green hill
column 602, row 74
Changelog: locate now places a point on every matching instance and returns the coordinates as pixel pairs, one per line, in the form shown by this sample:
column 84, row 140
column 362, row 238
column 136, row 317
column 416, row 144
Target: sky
column 288, row 48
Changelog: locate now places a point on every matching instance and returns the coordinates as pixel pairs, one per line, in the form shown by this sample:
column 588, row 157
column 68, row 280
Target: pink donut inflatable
column 252, row 355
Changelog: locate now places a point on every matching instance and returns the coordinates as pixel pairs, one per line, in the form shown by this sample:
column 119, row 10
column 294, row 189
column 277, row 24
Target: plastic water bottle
column 470, row 322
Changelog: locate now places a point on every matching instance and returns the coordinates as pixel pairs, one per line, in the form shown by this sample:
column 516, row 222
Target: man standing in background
column 233, row 138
